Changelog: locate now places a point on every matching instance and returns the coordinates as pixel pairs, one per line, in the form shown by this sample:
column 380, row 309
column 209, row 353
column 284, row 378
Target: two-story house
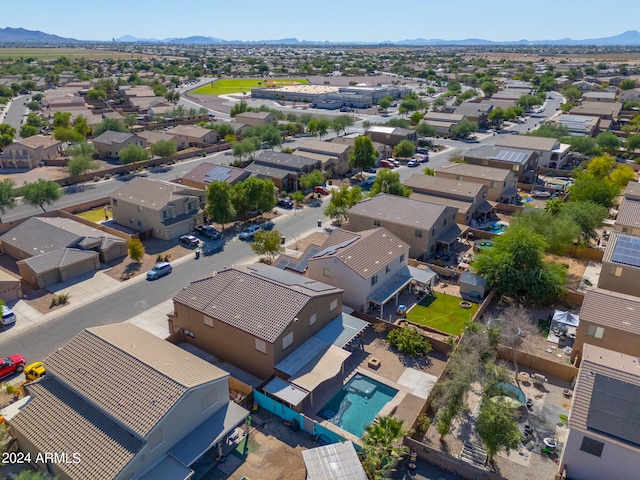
column 501, row 184
column 30, row 152
column 193, row 136
column 469, row 198
column 523, row 162
column 334, row 156
column 443, row 122
column 621, row 264
column 284, row 169
column 391, row 136
column 120, row 403
column 628, row 218
column 426, row 227
column 109, row 144
column 165, row 210
column 254, row 316
column 551, row 153
column 603, row 440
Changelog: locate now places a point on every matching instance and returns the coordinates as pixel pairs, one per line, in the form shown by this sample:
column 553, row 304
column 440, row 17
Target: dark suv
column 208, row 231
column 285, row 203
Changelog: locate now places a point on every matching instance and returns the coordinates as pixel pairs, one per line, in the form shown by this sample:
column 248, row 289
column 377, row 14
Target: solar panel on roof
column 510, row 156
column 219, row 174
column 288, row 278
column 334, row 248
column 573, row 126
column 612, row 409
column 572, row 119
column 627, row 251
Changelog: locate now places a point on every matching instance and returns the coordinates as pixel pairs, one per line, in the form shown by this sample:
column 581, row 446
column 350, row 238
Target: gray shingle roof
column 629, row 213
column 148, row 374
column 284, row 160
column 246, row 299
column 58, row 420
column 58, row 259
column 529, row 142
column 370, row 250
column 632, row 190
column 401, row 210
column 92, row 236
column 110, row 137
column 611, row 309
column 443, row 186
column 37, row 236
column 168, row 469
column 155, row 194
column 475, row 171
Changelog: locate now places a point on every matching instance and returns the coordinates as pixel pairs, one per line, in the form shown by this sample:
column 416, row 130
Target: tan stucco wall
column 628, row 282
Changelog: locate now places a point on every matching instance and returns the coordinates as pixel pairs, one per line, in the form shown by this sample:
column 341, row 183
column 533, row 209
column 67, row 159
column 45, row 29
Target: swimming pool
column 497, row 228
column 356, row 405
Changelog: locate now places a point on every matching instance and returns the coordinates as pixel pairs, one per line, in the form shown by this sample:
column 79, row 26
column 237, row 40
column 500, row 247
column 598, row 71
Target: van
column 8, row 317
column 160, row 270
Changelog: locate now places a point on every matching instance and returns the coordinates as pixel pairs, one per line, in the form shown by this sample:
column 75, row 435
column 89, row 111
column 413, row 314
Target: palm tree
column 383, row 446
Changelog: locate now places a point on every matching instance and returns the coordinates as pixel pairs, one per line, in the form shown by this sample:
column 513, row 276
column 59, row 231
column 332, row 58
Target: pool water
column 496, row 228
column 356, row 405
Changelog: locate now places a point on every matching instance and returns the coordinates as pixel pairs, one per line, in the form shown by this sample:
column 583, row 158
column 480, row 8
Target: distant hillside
column 20, row 35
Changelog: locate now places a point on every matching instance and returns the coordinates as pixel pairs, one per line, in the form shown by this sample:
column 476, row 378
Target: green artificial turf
column 442, row 312
column 226, row 87
column 96, row 215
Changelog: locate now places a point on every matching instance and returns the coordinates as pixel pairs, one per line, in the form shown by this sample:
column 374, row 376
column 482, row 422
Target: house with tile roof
column 110, row 143
column 371, row 267
column 628, row 218
column 426, row 227
column 55, row 249
column 205, row 173
column 523, row 162
column 391, row 136
column 447, row 191
column 256, row 119
column 603, row 440
column 128, row 405
column 284, row 169
column 193, row 136
column 551, row 153
column 501, row 184
column 334, row 156
column 30, row 152
column 621, row 264
column 253, row 316
column 609, row 320
column 161, row 209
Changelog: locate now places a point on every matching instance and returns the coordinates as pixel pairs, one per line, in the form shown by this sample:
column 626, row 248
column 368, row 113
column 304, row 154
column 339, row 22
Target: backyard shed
column 338, row 461
column 472, row 287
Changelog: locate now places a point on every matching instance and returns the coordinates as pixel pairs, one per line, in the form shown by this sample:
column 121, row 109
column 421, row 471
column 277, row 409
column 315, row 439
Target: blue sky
column 332, row 20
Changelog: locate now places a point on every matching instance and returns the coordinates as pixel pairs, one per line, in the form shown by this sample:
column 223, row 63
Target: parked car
column 285, row 203
column 189, row 240
column 412, row 163
column 34, row 371
column 11, row 364
column 423, row 150
column 395, row 162
column 208, row 231
column 370, row 180
column 160, row 270
column 373, row 170
column 249, row 232
column 387, row 164
column 8, row 317
column 322, row 189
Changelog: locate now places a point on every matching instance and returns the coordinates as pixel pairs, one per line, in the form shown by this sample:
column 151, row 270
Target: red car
column 11, row 364
column 322, row 190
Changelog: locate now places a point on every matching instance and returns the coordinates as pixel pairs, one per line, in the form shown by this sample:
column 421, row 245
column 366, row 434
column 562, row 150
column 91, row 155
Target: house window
column 458, row 177
column 617, row 271
column 165, row 214
column 333, row 306
column 189, row 207
column 115, row 201
column 208, row 321
column 374, row 280
column 139, row 223
column 402, row 258
column 287, row 341
column 433, row 231
column 594, row 447
column 388, row 269
column 261, row 345
column 312, row 319
column 376, row 223
column 595, row 331
column 419, row 233
column 326, row 272
column 445, row 221
column 209, row 400
column 431, row 249
column 139, row 209
column 493, row 184
column 516, row 168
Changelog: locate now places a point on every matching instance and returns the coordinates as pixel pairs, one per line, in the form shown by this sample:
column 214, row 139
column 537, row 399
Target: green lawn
column 96, row 215
column 442, row 312
column 226, row 87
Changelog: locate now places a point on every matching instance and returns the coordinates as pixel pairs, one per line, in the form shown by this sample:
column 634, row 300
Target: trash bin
column 282, row 240
column 319, row 223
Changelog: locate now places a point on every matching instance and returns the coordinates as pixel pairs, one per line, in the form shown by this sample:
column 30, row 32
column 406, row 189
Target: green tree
column 587, row 215
column 62, row 120
column 496, row 117
column 425, row 130
column 454, row 86
column 41, row 193
column 600, row 167
column 133, row 153
column 113, row 124
column 608, row 140
column 627, row 84
column 312, row 126
column 33, row 475
column 34, row 120
column 388, row 181
column 497, row 427
column 79, row 165
column 312, row 179
column 27, row 131
column 240, row 107
column 33, row 105
column 96, row 94
column 297, row 197
column 271, row 136
column 7, row 195
column 364, row 154
column 572, row 93
column 601, row 191
column 136, row 249
column 409, row 340
column 550, row 130
column 404, row 149
column 223, row 129
column 622, row 175
column 515, row 268
column 164, row 148
column 254, row 194
column 385, row 102
column 560, row 231
column 341, row 202
column 464, row 128
column 383, row 447
column 268, row 243
column 528, row 101
column 7, row 134
column 341, row 123
column 488, row 88
column 323, row 127
column 67, row 135
column 219, row 206
column 632, row 142
column 81, row 126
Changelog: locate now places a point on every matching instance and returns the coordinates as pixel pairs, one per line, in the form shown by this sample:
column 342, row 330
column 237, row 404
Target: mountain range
column 21, row 35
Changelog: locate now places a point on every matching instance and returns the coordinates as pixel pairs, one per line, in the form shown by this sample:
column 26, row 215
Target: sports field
column 227, row 87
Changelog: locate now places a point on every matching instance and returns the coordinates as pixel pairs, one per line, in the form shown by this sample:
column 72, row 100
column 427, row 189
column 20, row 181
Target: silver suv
column 160, row 270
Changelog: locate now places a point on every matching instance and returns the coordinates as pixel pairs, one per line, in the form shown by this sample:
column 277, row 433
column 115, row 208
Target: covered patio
column 485, row 211
column 450, row 237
